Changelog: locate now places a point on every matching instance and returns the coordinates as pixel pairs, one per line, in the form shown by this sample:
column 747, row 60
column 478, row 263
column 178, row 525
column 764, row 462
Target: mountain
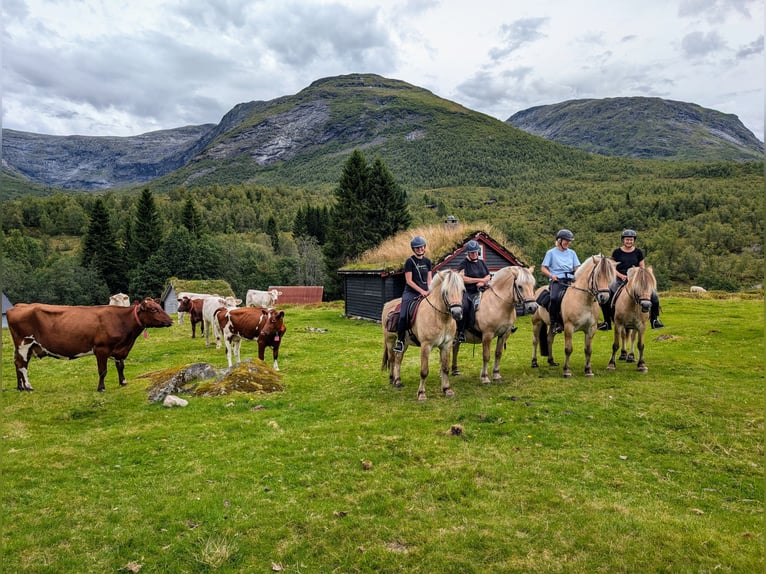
column 304, row 139
column 641, row 127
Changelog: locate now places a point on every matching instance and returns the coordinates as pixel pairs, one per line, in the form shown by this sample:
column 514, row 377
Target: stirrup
column 399, row 346
column 556, row 329
column 604, row 326
column 657, row 324
column 461, row 337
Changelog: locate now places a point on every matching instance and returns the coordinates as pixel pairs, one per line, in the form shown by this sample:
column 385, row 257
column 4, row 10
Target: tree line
column 134, row 245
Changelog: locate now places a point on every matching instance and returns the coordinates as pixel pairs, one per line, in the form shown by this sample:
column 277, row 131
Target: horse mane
column 642, row 279
column 452, row 281
column 592, row 261
column 523, row 275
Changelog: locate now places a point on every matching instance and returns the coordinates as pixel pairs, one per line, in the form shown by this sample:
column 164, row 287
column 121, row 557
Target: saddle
column 392, row 319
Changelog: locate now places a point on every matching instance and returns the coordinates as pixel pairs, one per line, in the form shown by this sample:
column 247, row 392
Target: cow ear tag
column 146, row 335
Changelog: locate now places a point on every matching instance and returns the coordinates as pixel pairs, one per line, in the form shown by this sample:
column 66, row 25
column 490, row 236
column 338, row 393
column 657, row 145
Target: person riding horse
column 559, row 265
column 417, row 279
column 627, row 256
column 475, row 276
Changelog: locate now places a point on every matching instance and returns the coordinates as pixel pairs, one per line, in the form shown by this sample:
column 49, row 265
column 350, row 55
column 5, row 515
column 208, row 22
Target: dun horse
column 433, row 327
column 496, row 315
column 579, row 311
column 632, row 304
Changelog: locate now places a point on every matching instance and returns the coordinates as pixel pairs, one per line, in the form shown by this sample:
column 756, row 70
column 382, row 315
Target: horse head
column 600, row 271
column 640, row 284
column 451, row 287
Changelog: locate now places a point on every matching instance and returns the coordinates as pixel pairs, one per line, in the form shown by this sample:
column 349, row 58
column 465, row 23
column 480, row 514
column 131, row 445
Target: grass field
column 622, row 472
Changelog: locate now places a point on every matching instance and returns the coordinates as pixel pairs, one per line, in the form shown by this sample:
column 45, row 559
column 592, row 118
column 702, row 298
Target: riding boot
column 606, row 325
column 399, row 346
column 654, row 313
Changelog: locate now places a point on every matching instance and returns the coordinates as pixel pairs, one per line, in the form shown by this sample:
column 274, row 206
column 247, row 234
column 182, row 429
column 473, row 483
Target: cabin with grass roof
column 174, row 286
column 378, row 275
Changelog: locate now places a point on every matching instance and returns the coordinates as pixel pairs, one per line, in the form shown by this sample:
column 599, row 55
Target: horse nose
column 603, row 298
column 457, row 313
column 646, row 306
column 531, row 308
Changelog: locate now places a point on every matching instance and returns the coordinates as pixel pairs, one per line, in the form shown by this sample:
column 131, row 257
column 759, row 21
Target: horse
column 433, row 327
column 496, row 315
column 632, row 304
column 579, row 311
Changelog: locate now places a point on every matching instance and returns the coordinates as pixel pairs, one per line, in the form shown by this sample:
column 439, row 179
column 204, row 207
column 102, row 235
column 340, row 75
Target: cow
column 697, row 289
column 194, row 308
column 66, row 332
column 119, row 300
column 190, row 295
column 255, row 298
column 266, row 326
column 210, row 307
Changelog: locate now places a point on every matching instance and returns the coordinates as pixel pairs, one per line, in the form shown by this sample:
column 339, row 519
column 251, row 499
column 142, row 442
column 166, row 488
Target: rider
column 417, row 279
column 628, row 255
column 475, row 276
column 559, row 265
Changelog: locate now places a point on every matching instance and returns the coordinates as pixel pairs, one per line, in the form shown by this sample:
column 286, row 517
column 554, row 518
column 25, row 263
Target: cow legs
column 120, row 364
column 275, row 354
column 21, row 359
column 101, row 361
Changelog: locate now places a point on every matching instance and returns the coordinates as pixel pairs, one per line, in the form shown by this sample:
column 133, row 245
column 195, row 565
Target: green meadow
column 340, row 472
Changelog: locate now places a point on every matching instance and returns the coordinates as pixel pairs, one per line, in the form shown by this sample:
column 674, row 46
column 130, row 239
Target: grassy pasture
column 623, row 472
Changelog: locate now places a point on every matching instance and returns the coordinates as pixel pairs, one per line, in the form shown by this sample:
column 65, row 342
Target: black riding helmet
column 565, row 234
column 628, row 233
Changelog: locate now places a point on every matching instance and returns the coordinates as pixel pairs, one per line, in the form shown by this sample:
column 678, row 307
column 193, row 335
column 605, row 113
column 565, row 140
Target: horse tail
column 384, row 365
column 543, row 339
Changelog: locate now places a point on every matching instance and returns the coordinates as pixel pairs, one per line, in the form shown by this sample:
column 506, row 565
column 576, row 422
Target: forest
column 697, row 224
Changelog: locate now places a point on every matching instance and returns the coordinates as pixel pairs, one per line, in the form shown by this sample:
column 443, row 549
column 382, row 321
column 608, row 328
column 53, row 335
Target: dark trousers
column 557, row 288
column 468, row 307
column 608, row 310
column 407, row 298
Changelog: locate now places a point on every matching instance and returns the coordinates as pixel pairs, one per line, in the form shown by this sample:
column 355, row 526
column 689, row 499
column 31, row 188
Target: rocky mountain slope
column 641, row 127
column 429, row 142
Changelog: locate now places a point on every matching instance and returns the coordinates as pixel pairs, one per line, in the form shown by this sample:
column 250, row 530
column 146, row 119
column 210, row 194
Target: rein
column 517, row 293
column 444, row 300
column 592, row 289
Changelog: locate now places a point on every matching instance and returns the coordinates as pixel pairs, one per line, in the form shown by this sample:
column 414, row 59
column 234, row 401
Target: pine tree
column 147, row 230
column 388, row 202
column 101, row 251
column 273, row 233
column 191, row 218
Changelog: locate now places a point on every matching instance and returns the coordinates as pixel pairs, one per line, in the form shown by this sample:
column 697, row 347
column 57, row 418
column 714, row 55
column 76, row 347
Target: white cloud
column 114, row 68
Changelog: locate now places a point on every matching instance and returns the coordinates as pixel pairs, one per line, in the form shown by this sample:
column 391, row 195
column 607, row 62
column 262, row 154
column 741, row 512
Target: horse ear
column 462, row 273
column 531, row 269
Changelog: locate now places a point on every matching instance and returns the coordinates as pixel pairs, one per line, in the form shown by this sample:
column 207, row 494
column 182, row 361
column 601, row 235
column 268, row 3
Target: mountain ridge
column 303, row 139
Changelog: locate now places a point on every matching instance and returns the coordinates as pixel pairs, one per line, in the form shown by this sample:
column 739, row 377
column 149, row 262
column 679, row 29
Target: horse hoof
column 588, row 373
column 534, row 364
column 567, row 374
column 422, row 397
column 497, row 377
column 484, row 380
column 643, row 369
column 553, row 364
column 398, row 384
column 449, row 393
column 455, row 373
column 611, row 367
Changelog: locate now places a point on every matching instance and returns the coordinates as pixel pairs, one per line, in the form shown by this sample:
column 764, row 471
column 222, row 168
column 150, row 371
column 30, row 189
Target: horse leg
column 642, row 368
column 455, row 350
column 425, row 354
column 567, row 352
column 498, row 355
column 535, row 339
column 486, row 347
column 589, row 350
column 631, row 337
column 444, row 371
column 615, row 346
column 396, row 367
column 551, row 336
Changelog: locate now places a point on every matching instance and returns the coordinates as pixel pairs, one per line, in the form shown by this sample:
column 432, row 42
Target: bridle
column 517, row 294
column 593, row 289
column 447, row 304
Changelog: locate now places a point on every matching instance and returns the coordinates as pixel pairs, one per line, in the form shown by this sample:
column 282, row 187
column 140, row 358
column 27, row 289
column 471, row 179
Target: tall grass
column 340, row 472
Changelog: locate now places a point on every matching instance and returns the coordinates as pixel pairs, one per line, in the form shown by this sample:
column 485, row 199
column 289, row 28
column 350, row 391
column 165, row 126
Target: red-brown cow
column 65, row 332
column 194, row 308
column 266, row 326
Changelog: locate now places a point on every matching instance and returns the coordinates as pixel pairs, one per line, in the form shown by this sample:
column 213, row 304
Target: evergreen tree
column 191, row 218
column 300, row 223
column 388, row 202
column 273, row 233
column 101, row 251
column 147, row 230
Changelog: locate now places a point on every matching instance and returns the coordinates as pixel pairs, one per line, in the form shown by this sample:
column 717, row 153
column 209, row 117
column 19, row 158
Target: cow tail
column 543, row 339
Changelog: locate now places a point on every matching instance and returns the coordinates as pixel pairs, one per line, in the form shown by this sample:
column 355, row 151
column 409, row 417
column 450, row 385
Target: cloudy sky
column 126, row 67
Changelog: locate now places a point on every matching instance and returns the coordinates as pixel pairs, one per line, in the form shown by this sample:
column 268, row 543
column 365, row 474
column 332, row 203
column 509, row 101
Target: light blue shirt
column 562, row 264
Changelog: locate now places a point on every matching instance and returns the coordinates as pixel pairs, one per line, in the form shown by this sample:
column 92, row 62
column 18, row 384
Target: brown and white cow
column 194, row 308
column 65, row 332
column 266, row 326
column 190, row 295
column 210, row 309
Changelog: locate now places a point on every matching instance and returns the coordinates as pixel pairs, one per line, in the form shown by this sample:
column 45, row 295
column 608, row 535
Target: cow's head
column 151, row 314
column 231, row 301
column 275, row 294
column 184, row 305
column 274, row 323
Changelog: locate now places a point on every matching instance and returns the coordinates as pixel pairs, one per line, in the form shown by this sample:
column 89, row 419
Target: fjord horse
column 433, row 327
column 579, row 311
column 632, row 304
column 496, row 315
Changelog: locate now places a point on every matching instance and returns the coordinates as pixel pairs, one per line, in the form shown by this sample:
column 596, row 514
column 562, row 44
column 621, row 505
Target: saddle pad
column 392, row 320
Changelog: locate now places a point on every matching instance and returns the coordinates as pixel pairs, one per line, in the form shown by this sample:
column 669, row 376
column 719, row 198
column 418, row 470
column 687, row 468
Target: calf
column 255, row 298
column 194, row 308
column 190, row 295
column 266, row 326
column 210, row 308
column 65, row 332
